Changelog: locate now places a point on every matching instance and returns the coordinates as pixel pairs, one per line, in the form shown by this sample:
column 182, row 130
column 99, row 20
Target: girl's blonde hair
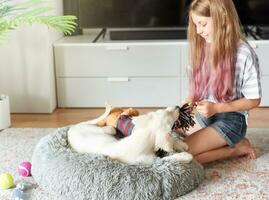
column 213, row 65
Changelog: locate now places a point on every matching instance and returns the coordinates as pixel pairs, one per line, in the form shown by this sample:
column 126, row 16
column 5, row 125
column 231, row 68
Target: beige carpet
column 231, row 179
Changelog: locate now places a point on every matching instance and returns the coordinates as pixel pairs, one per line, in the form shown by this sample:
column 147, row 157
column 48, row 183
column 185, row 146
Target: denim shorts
column 231, row 126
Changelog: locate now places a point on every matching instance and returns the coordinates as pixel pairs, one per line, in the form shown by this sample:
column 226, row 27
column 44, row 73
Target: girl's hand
column 206, row 108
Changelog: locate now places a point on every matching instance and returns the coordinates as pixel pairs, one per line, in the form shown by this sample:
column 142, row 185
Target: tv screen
column 253, row 12
column 157, row 13
column 132, row 13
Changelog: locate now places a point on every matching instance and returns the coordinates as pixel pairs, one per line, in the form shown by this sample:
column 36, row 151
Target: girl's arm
column 238, row 105
column 208, row 109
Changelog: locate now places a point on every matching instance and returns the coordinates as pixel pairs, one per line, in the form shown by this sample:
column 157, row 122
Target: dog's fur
column 151, row 132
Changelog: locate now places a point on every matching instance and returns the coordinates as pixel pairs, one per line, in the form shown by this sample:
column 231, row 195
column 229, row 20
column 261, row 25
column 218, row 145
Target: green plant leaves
column 13, row 15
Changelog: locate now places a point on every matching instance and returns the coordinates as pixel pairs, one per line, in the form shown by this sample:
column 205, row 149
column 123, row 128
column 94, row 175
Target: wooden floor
column 259, row 117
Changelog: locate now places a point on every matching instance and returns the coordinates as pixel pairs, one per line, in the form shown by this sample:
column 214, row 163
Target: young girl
column 224, row 80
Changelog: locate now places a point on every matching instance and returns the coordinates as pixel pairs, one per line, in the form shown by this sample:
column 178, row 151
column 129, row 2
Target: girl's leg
column 203, row 140
column 207, row 145
column 241, row 149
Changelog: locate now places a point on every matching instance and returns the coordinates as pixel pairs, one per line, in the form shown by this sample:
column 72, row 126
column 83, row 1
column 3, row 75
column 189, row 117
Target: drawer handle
column 118, row 79
column 117, row 48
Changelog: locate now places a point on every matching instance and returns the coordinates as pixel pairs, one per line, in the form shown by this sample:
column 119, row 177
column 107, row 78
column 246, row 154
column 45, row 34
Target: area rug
column 238, row 178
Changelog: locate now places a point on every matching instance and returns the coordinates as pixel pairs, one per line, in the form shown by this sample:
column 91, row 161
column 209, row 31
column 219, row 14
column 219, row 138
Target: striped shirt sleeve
column 251, row 84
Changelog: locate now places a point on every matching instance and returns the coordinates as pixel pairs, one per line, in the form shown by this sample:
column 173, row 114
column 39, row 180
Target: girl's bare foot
column 244, row 148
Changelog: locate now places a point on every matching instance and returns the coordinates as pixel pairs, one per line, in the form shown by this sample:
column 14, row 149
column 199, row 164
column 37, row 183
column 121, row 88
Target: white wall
column 27, row 68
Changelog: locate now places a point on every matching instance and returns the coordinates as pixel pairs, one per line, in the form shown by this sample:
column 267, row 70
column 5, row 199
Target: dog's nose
column 177, row 108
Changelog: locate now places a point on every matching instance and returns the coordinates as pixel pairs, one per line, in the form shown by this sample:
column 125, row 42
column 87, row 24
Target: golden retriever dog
column 151, row 132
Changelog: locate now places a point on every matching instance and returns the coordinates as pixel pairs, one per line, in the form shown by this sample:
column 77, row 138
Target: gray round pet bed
column 63, row 172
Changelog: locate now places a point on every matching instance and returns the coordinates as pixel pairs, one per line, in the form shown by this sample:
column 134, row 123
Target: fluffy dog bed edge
column 70, row 175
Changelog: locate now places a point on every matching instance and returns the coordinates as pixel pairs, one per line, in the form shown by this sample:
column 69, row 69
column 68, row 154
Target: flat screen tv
column 253, row 12
column 132, row 13
column 157, row 13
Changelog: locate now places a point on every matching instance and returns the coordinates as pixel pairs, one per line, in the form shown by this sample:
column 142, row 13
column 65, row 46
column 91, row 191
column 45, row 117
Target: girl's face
column 203, row 26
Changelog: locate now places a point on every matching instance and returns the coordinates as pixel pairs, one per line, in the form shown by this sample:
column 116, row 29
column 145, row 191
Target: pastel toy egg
column 17, row 194
column 25, row 168
column 6, row 181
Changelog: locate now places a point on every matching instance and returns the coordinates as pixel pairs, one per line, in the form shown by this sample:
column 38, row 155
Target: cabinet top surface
column 87, row 40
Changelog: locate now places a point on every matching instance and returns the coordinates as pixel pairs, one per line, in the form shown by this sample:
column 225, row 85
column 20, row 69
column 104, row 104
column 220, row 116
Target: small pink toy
column 25, row 168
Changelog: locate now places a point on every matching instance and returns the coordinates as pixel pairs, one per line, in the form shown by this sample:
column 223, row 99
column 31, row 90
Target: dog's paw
column 183, row 157
column 182, row 146
column 109, row 130
column 185, row 147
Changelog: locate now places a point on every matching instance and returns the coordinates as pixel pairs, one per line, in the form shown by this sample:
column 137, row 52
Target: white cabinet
column 265, row 91
column 137, row 74
column 184, row 57
column 261, row 48
column 184, row 88
column 129, row 73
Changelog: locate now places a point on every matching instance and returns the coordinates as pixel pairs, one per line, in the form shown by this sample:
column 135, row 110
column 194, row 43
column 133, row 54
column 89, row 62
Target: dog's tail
column 103, row 116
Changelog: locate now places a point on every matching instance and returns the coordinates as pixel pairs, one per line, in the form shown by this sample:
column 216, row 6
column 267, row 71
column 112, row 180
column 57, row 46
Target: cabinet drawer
column 117, row 60
column 184, row 89
column 131, row 92
column 261, row 48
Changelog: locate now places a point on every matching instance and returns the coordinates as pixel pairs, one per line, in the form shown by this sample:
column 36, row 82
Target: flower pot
column 4, row 112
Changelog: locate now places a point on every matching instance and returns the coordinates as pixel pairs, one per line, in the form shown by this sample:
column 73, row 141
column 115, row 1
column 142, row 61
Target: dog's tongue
column 185, row 119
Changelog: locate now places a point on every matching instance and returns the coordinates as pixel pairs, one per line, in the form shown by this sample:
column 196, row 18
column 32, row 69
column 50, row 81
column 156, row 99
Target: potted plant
column 16, row 13
column 13, row 15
